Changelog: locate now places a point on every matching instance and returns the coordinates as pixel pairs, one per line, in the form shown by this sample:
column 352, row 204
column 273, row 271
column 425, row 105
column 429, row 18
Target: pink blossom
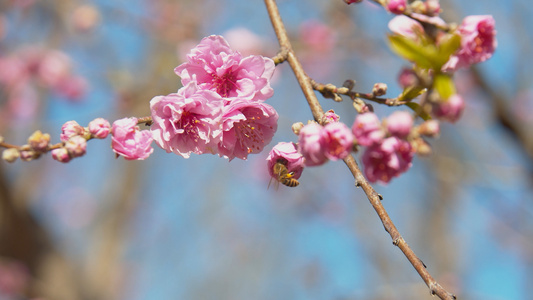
column 61, row 155
column 406, row 26
column 478, row 42
column 70, row 129
column 397, row 6
column 330, row 117
column 400, row 123
column 311, row 144
column 386, row 160
column 367, row 129
column 12, row 70
column 72, row 87
column 214, row 66
column 338, row 140
column 129, row 141
column 318, row 36
column 451, row 109
column 76, row 146
column 247, row 128
column 187, row 121
column 99, row 128
column 286, row 153
column 244, row 40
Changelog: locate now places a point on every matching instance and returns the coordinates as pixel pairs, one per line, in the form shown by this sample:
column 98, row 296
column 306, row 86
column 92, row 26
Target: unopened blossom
column 367, row 129
column 478, row 42
column 296, row 127
column 407, row 78
column 311, row 144
column 247, row 127
column 188, row 121
column 29, row 155
column 289, row 156
column 387, row 159
column 406, row 26
column 70, row 129
column 214, row 66
column 129, row 141
column 432, row 7
column 399, row 124
column 397, row 6
column 430, row 128
column 61, row 155
column 10, row 155
column 39, row 141
column 379, row 89
column 451, row 109
column 330, row 117
column 76, row 146
column 338, row 141
column 99, row 128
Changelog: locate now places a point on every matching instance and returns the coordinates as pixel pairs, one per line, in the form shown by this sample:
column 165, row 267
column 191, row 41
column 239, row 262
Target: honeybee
column 283, row 174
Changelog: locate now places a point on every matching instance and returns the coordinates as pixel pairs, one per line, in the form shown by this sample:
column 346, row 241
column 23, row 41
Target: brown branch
column 373, row 197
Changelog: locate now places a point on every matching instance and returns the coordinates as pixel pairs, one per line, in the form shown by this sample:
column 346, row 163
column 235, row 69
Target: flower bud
column 399, row 124
column 311, row 144
column 296, row 127
column 39, row 141
column 61, row 155
column 70, row 129
column 432, row 7
column 329, row 117
column 430, row 128
column 99, row 128
column 421, row 147
column 379, row 89
column 407, row 78
column 10, row 155
column 451, row 110
column 361, row 107
column 76, row 146
column 397, row 7
column 28, row 155
column 367, row 129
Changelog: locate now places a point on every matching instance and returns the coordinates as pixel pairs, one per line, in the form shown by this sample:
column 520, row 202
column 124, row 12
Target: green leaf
column 448, row 44
column 444, row 85
column 411, row 92
column 418, row 110
column 412, row 51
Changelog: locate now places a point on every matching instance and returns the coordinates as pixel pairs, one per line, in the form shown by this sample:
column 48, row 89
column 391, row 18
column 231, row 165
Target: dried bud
column 430, row 128
column 349, row 84
column 379, row 89
column 39, row 141
column 10, row 155
column 61, row 155
column 296, row 127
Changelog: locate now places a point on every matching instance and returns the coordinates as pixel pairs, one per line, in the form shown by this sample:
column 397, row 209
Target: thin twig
column 373, row 197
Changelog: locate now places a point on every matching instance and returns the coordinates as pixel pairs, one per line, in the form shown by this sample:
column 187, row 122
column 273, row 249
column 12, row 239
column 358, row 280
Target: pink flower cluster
column 388, row 153
column 220, row 109
column 318, row 143
column 74, row 138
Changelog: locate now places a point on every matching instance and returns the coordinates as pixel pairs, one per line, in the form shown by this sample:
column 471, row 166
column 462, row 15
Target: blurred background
column 205, row 228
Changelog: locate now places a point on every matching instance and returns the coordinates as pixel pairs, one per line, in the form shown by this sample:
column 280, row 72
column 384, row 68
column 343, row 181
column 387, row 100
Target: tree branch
column 307, row 88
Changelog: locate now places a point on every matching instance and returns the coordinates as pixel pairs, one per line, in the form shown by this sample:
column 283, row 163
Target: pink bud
column 450, row 110
column 99, row 128
column 338, row 141
column 70, row 129
column 397, row 6
column 367, row 129
column 407, row 78
column 311, row 144
column 387, row 159
column 406, row 26
column 399, row 124
column 379, row 89
column 432, row 7
column 330, row 117
column 76, row 146
column 61, row 155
